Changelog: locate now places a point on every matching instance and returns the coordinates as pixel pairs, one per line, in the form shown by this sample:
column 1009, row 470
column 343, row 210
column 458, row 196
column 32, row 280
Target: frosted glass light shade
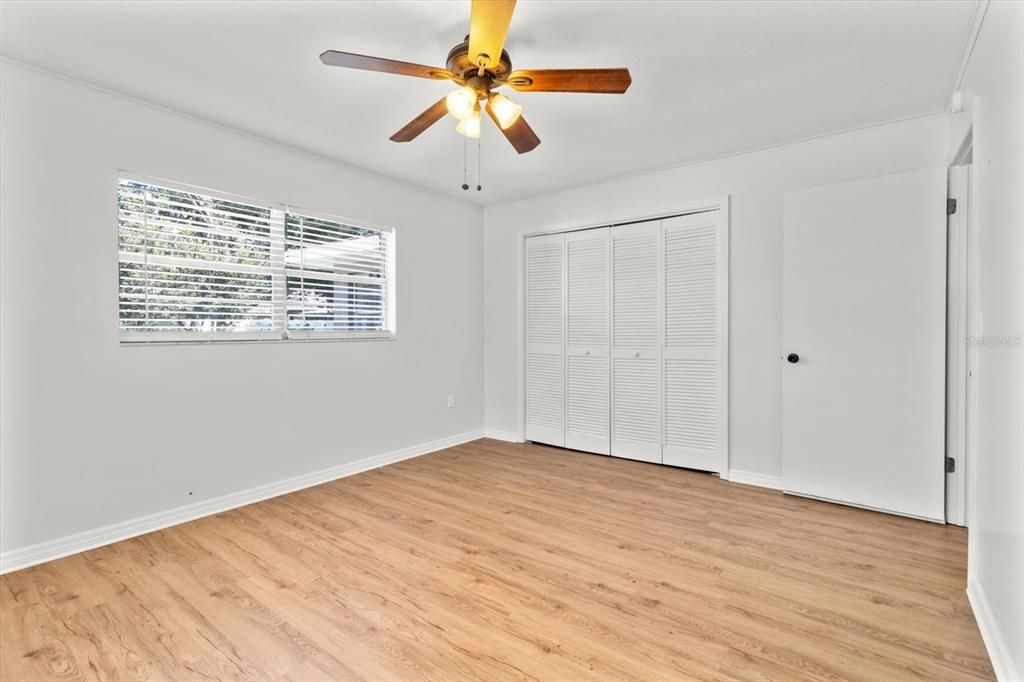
column 470, row 126
column 461, row 102
column 505, row 110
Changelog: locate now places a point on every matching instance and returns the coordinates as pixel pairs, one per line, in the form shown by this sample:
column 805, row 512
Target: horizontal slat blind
column 336, row 275
column 197, row 266
column 193, row 263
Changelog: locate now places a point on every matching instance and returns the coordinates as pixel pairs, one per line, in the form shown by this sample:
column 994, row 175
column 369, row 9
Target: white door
column 587, row 381
column 636, row 341
column 545, row 339
column 695, row 353
column 864, row 343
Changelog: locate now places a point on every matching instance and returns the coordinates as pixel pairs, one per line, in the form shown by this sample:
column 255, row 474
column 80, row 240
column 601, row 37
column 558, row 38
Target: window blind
column 335, row 276
column 197, row 266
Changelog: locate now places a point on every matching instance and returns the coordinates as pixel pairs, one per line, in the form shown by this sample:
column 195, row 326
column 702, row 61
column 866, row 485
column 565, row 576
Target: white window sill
column 192, row 339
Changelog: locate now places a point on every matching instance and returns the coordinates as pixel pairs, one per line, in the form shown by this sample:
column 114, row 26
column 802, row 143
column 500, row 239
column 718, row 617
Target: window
column 195, row 266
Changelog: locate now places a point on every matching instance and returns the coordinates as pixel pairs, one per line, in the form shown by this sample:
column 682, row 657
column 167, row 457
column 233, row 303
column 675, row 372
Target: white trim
column 243, row 338
column 113, row 92
column 754, row 478
column 996, row 645
column 963, row 147
column 957, row 364
column 603, row 220
column 507, row 436
column 99, row 87
column 13, row 560
column 725, row 312
column 306, row 335
column 967, row 49
column 928, row 116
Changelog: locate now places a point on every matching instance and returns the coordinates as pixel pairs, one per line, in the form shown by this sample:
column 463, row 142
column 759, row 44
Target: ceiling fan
column 479, row 65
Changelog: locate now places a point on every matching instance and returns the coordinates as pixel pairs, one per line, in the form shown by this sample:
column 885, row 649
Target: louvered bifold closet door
column 545, row 339
column 694, row 354
column 636, row 341
column 587, row 284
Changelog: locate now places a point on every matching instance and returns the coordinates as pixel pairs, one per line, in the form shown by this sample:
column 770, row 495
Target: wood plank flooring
column 498, row 561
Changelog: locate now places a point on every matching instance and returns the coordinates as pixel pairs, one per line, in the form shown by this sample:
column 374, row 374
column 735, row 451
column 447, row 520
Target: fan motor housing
column 463, row 67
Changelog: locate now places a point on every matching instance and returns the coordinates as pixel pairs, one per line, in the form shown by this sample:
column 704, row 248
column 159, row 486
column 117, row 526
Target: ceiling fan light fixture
column 505, row 110
column 461, row 102
column 470, row 126
column 477, row 66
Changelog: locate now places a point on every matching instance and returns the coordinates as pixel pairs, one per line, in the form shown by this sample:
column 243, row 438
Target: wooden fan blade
column 416, row 126
column 608, row 81
column 359, row 61
column 488, row 27
column 520, row 134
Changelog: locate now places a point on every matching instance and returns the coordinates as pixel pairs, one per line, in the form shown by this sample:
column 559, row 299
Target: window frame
column 281, row 334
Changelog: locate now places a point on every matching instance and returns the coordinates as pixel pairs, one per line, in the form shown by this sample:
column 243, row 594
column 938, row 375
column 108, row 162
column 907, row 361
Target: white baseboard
column 13, row 560
column 509, row 436
column 996, row 645
column 754, row 478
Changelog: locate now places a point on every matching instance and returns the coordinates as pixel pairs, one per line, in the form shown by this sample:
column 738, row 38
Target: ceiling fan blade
column 488, row 27
column 608, row 81
column 359, row 61
column 520, row 134
column 416, row 126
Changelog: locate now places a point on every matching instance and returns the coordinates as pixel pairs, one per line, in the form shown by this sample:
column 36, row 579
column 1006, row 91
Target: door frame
column 607, row 220
column 962, row 279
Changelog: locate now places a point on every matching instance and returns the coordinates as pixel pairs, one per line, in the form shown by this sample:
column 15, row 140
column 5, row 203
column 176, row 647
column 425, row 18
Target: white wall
column 95, row 433
column 993, row 84
column 756, row 183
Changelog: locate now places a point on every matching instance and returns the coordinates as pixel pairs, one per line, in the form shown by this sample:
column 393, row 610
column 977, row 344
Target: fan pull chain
column 478, row 175
column 465, row 162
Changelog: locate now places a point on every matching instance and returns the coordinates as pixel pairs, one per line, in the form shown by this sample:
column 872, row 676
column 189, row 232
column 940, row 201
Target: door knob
column 793, row 358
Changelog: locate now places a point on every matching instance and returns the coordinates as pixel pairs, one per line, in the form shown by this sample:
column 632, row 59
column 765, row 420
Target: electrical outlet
column 451, row 400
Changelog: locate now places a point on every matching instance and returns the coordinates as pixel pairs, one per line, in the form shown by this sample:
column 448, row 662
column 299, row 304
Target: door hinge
column 950, row 465
column 950, row 206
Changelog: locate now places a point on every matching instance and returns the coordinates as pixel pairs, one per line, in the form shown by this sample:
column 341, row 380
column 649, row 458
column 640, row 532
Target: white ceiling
column 709, row 78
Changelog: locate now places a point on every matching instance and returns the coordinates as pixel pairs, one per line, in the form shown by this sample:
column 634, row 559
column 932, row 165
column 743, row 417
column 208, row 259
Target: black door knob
column 793, row 357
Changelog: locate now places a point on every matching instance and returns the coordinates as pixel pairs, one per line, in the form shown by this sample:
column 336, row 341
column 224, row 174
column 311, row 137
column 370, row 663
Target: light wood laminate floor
column 499, row 561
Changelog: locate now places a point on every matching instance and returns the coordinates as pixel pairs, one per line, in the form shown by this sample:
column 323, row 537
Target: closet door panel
column 587, row 415
column 693, row 352
column 636, row 341
column 635, row 422
column 545, row 339
column 587, row 384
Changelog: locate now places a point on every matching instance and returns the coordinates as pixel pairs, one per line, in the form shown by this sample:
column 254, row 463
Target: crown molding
column 219, row 125
column 967, row 49
column 732, row 155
